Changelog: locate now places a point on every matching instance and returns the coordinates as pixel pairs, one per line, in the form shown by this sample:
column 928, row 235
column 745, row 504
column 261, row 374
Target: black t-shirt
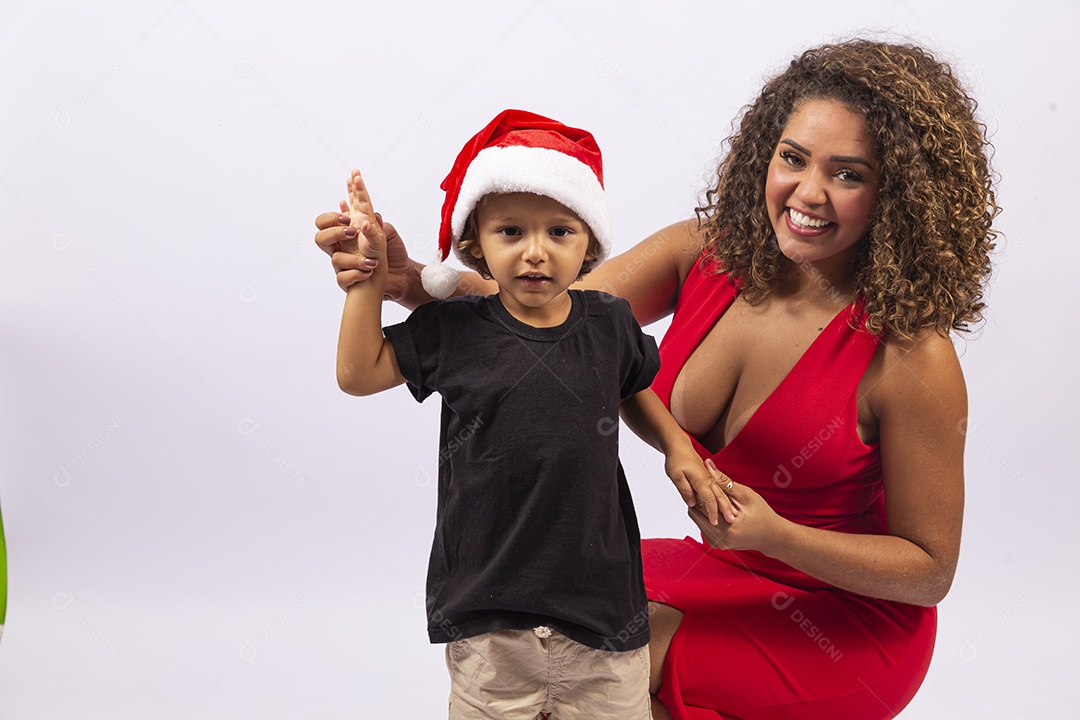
column 535, row 522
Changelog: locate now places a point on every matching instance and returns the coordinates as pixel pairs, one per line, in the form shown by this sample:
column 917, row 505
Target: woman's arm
column 649, row 274
column 921, row 404
column 401, row 273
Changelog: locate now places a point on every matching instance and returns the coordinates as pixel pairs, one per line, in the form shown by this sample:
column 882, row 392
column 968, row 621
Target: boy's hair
column 471, row 236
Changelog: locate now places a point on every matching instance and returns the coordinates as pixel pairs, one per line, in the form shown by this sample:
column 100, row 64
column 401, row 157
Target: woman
column 809, row 358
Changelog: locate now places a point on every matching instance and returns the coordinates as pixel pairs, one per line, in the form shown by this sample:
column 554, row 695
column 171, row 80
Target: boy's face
column 534, row 248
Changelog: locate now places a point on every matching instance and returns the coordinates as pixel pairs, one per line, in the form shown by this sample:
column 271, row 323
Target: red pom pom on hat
column 521, row 151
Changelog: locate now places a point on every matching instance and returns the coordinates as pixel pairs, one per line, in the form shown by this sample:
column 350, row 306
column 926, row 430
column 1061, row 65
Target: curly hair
column 926, row 257
column 471, row 236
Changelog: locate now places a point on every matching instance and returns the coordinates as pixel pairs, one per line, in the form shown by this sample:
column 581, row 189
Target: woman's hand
column 756, row 525
column 348, row 249
column 700, row 485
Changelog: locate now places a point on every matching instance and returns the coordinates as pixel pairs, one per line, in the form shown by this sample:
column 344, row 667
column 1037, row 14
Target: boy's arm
column 366, row 363
column 650, row 420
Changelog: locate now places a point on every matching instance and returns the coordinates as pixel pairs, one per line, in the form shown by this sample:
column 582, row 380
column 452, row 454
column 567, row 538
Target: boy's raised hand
column 363, row 218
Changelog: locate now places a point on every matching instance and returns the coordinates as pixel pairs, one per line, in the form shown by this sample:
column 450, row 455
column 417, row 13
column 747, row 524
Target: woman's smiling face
column 823, row 182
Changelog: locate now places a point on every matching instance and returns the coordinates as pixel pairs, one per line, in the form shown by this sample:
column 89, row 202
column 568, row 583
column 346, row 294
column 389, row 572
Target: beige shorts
column 519, row 674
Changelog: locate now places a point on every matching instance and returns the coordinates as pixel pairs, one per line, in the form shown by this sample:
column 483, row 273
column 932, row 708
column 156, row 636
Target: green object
column 3, row 576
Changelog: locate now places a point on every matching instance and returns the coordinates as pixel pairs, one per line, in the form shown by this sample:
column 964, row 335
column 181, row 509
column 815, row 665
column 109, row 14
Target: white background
column 201, row 525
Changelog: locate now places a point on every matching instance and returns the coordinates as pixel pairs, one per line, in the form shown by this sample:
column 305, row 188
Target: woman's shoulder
column 915, row 371
column 924, row 346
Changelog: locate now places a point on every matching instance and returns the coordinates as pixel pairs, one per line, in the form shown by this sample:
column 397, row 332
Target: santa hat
column 520, row 151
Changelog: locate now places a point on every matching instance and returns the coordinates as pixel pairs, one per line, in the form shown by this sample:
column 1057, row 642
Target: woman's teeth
column 807, row 222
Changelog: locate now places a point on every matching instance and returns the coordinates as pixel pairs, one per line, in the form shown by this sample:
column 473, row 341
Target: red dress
column 759, row 639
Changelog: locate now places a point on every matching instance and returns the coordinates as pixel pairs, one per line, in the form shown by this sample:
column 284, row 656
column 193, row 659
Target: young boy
column 535, row 576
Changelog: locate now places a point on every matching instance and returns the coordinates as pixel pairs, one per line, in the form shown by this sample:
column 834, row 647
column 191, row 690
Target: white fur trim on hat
column 541, row 171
